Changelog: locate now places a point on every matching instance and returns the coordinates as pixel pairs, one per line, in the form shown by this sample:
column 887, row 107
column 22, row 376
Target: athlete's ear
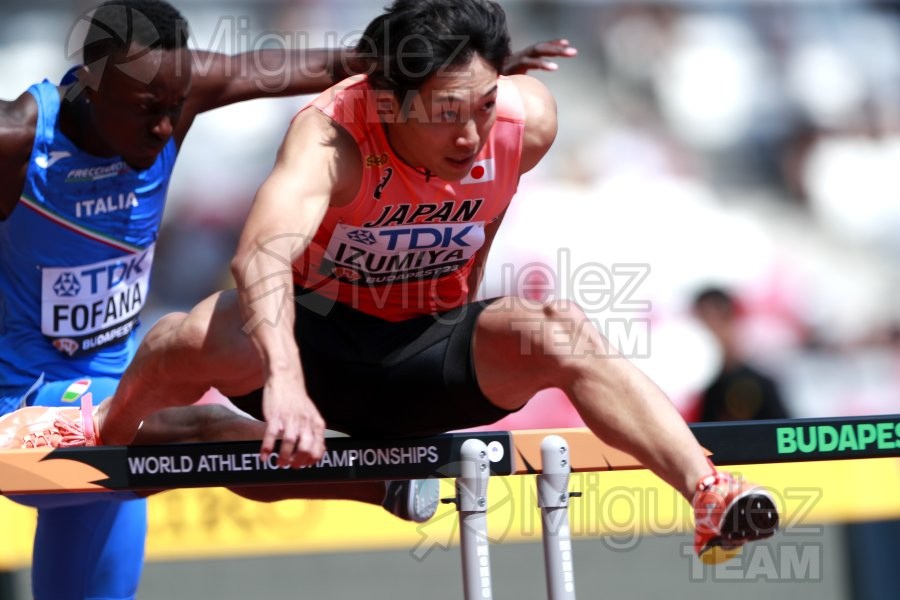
column 87, row 80
column 90, row 76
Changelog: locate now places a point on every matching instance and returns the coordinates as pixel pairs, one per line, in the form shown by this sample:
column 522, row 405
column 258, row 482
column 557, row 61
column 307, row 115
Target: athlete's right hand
column 292, row 417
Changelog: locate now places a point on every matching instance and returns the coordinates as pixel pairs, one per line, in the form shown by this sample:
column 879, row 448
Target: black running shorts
column 371, row 377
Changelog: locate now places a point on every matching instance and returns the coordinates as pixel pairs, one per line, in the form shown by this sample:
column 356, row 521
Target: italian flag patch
column 76, row 390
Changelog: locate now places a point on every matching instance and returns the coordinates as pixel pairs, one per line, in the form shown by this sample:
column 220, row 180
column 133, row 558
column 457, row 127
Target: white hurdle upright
column 553, row 500
column 471, row 502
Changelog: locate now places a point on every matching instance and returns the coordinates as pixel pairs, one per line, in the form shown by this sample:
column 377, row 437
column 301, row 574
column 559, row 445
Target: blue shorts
column 87, row 546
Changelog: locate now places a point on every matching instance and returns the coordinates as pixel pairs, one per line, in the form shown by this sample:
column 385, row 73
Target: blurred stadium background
column 749, row 144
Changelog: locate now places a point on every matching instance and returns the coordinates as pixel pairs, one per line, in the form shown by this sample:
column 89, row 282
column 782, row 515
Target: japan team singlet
column 75, row 257
column 405, row 245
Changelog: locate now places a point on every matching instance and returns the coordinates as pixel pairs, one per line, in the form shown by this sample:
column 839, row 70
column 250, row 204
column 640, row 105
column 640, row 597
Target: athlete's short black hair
column 414, row 39
column 715, row 297
column 116, row 25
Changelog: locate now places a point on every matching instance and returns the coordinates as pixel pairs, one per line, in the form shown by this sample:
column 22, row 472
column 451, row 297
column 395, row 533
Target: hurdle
column 470, row 458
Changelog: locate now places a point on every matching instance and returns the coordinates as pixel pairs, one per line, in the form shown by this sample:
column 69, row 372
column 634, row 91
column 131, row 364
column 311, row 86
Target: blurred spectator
column 739, row 392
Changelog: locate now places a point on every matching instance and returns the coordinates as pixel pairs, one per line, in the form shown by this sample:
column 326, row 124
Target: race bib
column 383, row 255
column 86, row 308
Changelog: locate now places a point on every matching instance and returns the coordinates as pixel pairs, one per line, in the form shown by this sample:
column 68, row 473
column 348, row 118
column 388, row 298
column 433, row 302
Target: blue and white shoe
column 412, row 499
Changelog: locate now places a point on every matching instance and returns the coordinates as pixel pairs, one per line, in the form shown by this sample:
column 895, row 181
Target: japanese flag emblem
column 482, row 171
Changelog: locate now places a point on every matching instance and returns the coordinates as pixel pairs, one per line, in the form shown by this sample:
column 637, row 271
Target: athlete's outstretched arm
column 538, row 56
column 317, row 166
column 220, row 79
column 17, row 123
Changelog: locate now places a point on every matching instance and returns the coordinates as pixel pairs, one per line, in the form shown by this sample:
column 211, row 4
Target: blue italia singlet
column 75, row 257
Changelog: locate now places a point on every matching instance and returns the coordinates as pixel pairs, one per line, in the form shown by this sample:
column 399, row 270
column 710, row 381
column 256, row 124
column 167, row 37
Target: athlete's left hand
column 536, row 57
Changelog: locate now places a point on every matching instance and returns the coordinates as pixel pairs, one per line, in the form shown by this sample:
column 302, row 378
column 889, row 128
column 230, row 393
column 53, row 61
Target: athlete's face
column 138, row 103
column 444, row 125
